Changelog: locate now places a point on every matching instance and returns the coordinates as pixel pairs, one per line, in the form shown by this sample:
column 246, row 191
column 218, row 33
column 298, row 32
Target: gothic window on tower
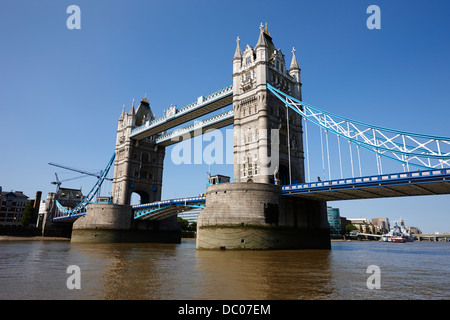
column 249, row 135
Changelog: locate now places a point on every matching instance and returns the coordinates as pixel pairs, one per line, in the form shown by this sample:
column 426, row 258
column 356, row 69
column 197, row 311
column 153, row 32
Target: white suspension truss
column 410, row 149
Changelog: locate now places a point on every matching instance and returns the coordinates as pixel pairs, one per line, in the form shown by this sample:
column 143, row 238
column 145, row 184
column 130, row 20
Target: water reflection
column 37, row 270
column 144, row 271
column 131, row 271
column 264, row 274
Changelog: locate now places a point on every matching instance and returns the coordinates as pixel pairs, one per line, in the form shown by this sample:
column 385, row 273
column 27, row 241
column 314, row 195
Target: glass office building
column 334, row 219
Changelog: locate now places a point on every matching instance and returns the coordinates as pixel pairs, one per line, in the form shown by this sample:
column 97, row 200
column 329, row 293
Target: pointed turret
column 294, row 63
column 237, row 53
column 237, row 59
column 262, row 41
column 122, row 115
column 294, row 71
column 132, row 111
column 265, row 48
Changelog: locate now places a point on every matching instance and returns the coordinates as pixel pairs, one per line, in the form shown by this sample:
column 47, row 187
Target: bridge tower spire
column 260, row 118
column 139, row 164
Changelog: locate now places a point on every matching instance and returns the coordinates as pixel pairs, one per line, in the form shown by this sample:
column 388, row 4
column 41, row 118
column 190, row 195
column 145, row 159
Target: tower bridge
column 272, row 202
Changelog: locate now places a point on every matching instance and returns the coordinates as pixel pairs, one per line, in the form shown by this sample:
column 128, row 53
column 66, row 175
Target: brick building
column 12, row 204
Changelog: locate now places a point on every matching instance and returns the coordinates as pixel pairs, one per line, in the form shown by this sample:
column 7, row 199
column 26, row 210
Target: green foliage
column 184, row 224
column 192, row 226
column 350, row 227
column 28, row 214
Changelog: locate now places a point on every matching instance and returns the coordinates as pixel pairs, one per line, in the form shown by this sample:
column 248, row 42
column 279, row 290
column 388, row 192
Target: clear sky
column 62, row 91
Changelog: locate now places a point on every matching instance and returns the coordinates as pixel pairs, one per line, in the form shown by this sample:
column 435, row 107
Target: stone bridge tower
column 139, row 164
column 252, row 213
column 138, row 169
column 260, row 118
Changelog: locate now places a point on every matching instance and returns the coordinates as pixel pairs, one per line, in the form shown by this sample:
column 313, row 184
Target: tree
column 27, row 214
column 192, row 226
column 350, row 227
column 184, row 224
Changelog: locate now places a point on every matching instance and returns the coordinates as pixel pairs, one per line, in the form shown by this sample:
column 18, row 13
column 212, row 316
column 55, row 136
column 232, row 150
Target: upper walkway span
column 201, row 107
column 198, row 128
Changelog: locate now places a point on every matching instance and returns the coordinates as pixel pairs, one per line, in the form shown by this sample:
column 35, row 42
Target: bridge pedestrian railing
column 368, row 180
column 142, row 210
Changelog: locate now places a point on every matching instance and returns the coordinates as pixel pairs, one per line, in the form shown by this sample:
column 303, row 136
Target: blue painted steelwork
column 383, row 180
column 420, row 150
column 142, row 211
column 81, row 207
column 69, row 218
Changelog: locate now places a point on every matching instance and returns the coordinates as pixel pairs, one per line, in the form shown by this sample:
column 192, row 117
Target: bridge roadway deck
column 418, row 183
column 428, row 182
column 162, row 209
column 203, row 106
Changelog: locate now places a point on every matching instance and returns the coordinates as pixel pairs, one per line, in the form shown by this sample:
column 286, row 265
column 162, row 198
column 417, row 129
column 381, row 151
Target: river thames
column 38, row 270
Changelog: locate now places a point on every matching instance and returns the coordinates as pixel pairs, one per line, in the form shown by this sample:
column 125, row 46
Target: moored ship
column 398, row 234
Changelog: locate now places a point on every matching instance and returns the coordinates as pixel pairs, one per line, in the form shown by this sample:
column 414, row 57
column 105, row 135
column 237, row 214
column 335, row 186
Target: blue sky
column 62, row 91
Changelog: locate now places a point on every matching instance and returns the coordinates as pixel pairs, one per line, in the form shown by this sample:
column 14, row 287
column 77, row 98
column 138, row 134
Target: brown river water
column 39, row 270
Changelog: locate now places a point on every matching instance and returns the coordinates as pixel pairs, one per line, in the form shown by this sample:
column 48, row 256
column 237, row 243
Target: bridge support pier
column 256, row 216
column 114, row 223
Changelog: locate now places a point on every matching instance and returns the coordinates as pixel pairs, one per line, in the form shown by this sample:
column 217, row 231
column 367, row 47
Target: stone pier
column 256, row 216
column 114, row 223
